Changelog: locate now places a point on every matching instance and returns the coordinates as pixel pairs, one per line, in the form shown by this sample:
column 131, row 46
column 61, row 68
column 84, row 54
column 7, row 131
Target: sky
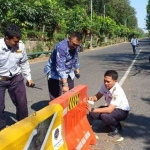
column 140, row 8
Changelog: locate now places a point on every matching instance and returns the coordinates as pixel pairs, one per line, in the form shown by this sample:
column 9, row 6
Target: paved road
column 134, row 73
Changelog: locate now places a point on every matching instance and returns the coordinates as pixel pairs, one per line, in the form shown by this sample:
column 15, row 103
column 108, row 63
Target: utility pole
column 104, row 10
column 91, row 22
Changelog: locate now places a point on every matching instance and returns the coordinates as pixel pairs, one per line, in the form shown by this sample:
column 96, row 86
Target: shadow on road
column 124, row 60
column 138, row 127
column 39, row 105
column 135, row 127
column 10, row 118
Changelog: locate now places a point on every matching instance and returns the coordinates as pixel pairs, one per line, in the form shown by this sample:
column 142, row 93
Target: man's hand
column 65, row 89
column 91, row 98
column 88, row 107
column 30, row 83
column 77, row 71
column 95, row 97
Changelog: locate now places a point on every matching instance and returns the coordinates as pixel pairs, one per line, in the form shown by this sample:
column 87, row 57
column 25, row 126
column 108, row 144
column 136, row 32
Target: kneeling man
column 117, row 106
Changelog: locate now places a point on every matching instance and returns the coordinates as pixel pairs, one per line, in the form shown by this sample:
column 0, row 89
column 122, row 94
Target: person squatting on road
column 117, row 106
column 134, row 43
column 13, row 62
column 63, row 65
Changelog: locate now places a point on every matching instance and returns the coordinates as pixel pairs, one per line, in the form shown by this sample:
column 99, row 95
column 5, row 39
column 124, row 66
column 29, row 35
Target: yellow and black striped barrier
column 73, row 101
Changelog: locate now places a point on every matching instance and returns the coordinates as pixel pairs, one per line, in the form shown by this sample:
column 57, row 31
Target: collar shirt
column 115, row 96
column 13, row 61
column 62, row 61
column 134, row 41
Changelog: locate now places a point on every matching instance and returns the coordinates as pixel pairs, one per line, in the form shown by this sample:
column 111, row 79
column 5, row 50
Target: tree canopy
column 55, row 19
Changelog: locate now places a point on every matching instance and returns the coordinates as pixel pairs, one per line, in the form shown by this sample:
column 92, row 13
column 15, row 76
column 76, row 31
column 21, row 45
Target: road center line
column 128, row 71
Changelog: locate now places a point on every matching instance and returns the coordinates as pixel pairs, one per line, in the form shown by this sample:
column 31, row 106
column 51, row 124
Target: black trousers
column 17, row 91
column 55, row 87
column 113, row 119
column 134, row 49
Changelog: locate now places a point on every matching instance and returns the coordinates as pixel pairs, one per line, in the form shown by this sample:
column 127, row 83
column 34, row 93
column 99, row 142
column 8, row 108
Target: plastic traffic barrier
column 41, row 131
column 78, row 132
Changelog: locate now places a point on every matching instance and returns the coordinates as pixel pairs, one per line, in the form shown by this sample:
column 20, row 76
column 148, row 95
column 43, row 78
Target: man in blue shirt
column 63, row 65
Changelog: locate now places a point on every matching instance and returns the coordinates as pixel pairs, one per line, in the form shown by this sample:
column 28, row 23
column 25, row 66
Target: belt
column 3, row 78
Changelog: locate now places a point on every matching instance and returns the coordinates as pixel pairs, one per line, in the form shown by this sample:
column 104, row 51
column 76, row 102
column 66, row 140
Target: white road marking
column 129, row 69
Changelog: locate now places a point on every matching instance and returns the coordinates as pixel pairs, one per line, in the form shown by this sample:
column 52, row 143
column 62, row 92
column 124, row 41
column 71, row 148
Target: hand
column 30, row 83
column 91, row 99
column 65, row 89
column 77, row 75
column 77, row 71
column 88, row 107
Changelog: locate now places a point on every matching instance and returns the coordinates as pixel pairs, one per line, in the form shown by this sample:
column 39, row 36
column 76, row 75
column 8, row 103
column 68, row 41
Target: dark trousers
column 134, row 49
column 17, row 91
column 55, row 87
column 113, row 119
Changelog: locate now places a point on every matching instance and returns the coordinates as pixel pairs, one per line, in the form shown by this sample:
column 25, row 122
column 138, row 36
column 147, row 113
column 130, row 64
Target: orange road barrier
column 78, row 132
column 41, row 131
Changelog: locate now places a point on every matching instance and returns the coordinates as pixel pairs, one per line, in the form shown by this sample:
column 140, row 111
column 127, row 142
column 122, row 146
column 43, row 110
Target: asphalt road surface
column 134, row 76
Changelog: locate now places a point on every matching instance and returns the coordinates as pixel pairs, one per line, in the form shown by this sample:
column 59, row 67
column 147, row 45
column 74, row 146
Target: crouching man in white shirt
column 117, row 106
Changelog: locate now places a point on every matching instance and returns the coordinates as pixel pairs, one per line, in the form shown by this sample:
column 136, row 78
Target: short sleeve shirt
column 115, row 96
column 134, row 41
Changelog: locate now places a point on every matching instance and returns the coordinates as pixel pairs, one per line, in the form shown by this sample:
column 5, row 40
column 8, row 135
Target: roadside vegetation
column 148, row 18
column 45, row 22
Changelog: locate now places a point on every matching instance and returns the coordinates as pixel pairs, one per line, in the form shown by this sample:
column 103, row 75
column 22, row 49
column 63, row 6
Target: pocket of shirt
column 18, row 56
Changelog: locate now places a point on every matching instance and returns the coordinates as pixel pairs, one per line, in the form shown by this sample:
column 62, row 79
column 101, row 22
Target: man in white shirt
column 134, row 43
column 13, row 63
column 117, row 106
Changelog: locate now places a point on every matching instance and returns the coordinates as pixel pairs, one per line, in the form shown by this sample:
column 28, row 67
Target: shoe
column 115, row 132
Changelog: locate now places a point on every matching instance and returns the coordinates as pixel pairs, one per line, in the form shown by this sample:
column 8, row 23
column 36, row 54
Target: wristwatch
column 65, row 84
column 92, row 109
